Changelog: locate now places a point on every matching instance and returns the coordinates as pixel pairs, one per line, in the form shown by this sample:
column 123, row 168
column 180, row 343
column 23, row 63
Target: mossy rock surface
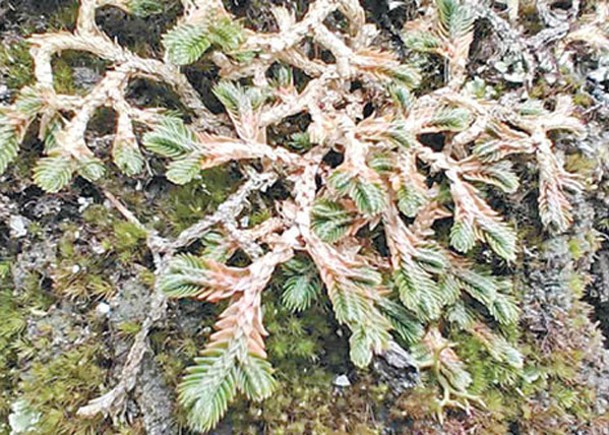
column 74, row 288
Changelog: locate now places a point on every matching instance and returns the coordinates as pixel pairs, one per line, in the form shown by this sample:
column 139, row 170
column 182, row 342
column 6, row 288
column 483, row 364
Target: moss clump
column 185, row 205
column 12, row 325
column 16, row 64
column 58, row 387
column 80, row 273
column 47, row 385
column 64, row 18
column 128, row 241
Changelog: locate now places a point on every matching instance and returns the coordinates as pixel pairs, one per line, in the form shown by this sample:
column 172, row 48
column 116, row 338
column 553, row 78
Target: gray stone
column 341, row 381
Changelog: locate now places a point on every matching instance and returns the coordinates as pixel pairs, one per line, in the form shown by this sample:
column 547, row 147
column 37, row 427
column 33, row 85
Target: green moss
column 52, row 387
column 540, row 90
column 65, row 17
column 259, row 216
column 63, row 81
column 5, row 269
column 12, row 325
column 146, row 277
column 64, row 73
column 128, row 236
column 577, row 284
column 576, row 249
column 58, row 387
column 16, row 64
column 129, row 328
column 98, row 216
column 308, row 403
column 582, row 99
column 185, row 205
column 580, row 164
column 80, row 274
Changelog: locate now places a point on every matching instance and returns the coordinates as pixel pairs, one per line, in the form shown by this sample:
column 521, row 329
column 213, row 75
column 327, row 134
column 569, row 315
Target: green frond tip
column 462, row 236
column 171, row 138
column 128, row 157
column 212, row 384
column 370, row 198
column 405, row 75
column 360, row 350
column 29, row 102
column 410, row 200
column 145, row 8
column 283, row 77
column 431, row 259
column 226, row 34
column 255, row 378
column 369, row 338
column 302, row 286
column 499, row 174
column 456, row 374
column 208, row 388
column 501, row 350
column 488, row 151
column 451, row 119
column 9, row 143
column 370, row 328
column 215, row 247
column 501, row 238
column 50, row 134
column 460, row 315
column 455, row 19
column 418, row 291
column 505, row 310
column 400, row 135
column 183, row 276
column 402, row 96
column 300, row 142
column 382, row 162
column 330, row 221
column 53, row 173
column 409, row 329
column 424, row 42
column 350, row 307
column 186, row 43
column 237, row 99
column 184, row 170
column 91, row 169
column 480, row 286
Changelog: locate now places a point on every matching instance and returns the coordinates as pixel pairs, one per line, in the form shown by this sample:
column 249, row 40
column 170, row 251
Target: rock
column 102, row 309
column 23, row 419
column 4, row 93
column 83, row 203
column 18, row 225
column 155, row 400
column 86, row 77
column 341, row 381
column 397, row 368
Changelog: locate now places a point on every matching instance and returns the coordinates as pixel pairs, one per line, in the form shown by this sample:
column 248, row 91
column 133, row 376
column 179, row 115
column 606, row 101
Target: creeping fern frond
column 381, row 195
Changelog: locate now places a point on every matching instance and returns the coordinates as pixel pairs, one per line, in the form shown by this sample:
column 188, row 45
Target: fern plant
column 421, row 283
